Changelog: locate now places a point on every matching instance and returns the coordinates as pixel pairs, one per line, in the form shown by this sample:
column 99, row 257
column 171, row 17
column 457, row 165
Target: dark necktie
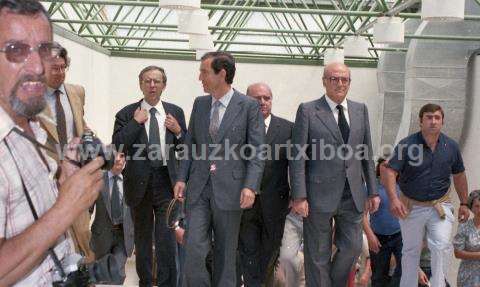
column 342, row 124
column 61, row 122
column 116, row 204
column 154, row 141
column 215, row 120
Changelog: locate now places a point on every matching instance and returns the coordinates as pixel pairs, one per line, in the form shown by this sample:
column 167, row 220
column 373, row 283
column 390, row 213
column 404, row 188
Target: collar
column 441, row 138
column 6, row 124
column 147, row 106
column 110, row 175
column 268, row 120
column 50, row 91
column 225, row 100
column 333, row 105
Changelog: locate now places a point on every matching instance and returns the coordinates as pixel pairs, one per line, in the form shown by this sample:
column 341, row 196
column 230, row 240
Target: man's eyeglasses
column 337, row 80
column 155, row 82
column 18, row 52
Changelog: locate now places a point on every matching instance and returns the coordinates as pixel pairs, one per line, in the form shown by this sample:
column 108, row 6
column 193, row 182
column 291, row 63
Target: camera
column 91, row 147
column 75, row 273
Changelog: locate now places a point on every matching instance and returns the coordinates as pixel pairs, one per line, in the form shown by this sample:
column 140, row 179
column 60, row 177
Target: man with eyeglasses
column 28, row 189
column 63, row 120
column 148, row 132
column 331, row 159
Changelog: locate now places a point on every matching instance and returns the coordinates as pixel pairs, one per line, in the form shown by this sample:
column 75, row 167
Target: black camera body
column 91, row 147
column 78, row 278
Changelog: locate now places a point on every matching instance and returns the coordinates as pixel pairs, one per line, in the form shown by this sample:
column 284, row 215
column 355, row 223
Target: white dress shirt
column 333, row 107
column 161, row 116
column 267, row 123
column 67, row 109
column 120, row 185
column 224, row 101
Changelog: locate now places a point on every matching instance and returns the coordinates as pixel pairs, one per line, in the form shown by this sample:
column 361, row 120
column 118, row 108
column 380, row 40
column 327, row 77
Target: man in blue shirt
column 425, row 161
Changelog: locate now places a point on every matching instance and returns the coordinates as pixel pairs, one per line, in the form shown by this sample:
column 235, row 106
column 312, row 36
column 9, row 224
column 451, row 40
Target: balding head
column 263, row 94
column 336, row 80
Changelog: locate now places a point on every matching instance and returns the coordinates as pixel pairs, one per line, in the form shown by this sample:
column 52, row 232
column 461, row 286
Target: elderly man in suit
column 224, row 181
column 148, row 132
column 332, row 157
column 262, row 226
column 63, row 120
column 112, row 228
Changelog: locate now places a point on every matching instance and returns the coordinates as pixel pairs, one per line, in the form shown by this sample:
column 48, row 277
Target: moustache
column 31, row 78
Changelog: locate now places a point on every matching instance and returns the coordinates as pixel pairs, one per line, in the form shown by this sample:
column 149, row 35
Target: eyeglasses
column 148, row 81
column 59, row 69
column 18, row 52
column 337, row 80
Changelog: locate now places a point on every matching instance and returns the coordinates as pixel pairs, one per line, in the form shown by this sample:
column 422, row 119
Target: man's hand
column 373, row 204
column 422, row 278
column 67, row 168
column 247, row 198
column 79, row 191
column 398, row 209
column 172, row 124
column 463, row 214
column 300, row 206
column 178, row 190
column 140, row 115
column 179, row 232
column 373, row 243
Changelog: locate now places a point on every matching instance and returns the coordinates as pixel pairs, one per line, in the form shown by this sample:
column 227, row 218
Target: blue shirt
column 425, row 174
column 382, row 221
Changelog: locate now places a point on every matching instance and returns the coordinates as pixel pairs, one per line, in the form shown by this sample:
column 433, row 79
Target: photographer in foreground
column 29, row 247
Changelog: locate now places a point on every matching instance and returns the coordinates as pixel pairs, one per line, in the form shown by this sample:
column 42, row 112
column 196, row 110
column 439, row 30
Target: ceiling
column 273, row 31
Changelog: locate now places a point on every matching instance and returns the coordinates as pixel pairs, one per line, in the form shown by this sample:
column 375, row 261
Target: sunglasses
column 18, row 52
column 337, row 80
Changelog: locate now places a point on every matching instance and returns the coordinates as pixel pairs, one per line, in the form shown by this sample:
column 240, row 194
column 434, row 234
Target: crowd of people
column 238, row 197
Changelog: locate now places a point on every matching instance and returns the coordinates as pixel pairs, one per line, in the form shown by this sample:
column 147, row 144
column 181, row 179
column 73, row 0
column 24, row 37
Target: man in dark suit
column 224, row 180
column 332, row 157
column 261, row 228
column 149, row 131
column 112, row 228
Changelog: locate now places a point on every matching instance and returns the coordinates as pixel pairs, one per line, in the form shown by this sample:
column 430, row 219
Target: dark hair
column 150, row 68
column 24, row 7
column 64, row 55
column 430, row 108
column 380, row 160
column 222, row 61
column 472, row 196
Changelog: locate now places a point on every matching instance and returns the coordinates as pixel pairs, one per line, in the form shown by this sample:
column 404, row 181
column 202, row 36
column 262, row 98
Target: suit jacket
column 131, row 137
column 102, row 234
column 242, row 124
column 76, row 97
column 322, row 181
column 275, row 188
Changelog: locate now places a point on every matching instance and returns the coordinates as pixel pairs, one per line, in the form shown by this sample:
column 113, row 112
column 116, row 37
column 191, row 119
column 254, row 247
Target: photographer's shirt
column 15, row 214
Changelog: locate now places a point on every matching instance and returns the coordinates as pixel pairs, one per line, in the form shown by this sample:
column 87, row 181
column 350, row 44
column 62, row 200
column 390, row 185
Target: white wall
column 112, row 82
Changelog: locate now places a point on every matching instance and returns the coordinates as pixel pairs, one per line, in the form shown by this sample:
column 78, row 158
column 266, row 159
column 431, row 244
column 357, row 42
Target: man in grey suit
column 224, row 180
column 112, row 229
column 332, row 158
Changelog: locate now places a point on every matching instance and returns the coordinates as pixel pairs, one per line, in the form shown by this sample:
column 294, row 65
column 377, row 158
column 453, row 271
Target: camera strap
column 35, row 215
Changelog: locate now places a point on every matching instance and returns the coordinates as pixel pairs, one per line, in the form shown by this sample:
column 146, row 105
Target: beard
column 34, row 105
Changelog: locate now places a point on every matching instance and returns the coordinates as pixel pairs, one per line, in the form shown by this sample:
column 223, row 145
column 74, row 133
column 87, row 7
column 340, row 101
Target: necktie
column 116, row 204
column 215, row 120
column 61, row 122
column 154, row 141
column 342, row 124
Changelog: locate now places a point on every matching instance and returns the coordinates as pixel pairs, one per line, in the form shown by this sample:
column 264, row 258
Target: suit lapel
column 325, row 114
column 204, row 109
column 46, row 119
column 273, row 129
column 143, row 137
column 168, row 133
column 355, row 120
column 106, row 195
column 234, row 107
column 76, row 107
